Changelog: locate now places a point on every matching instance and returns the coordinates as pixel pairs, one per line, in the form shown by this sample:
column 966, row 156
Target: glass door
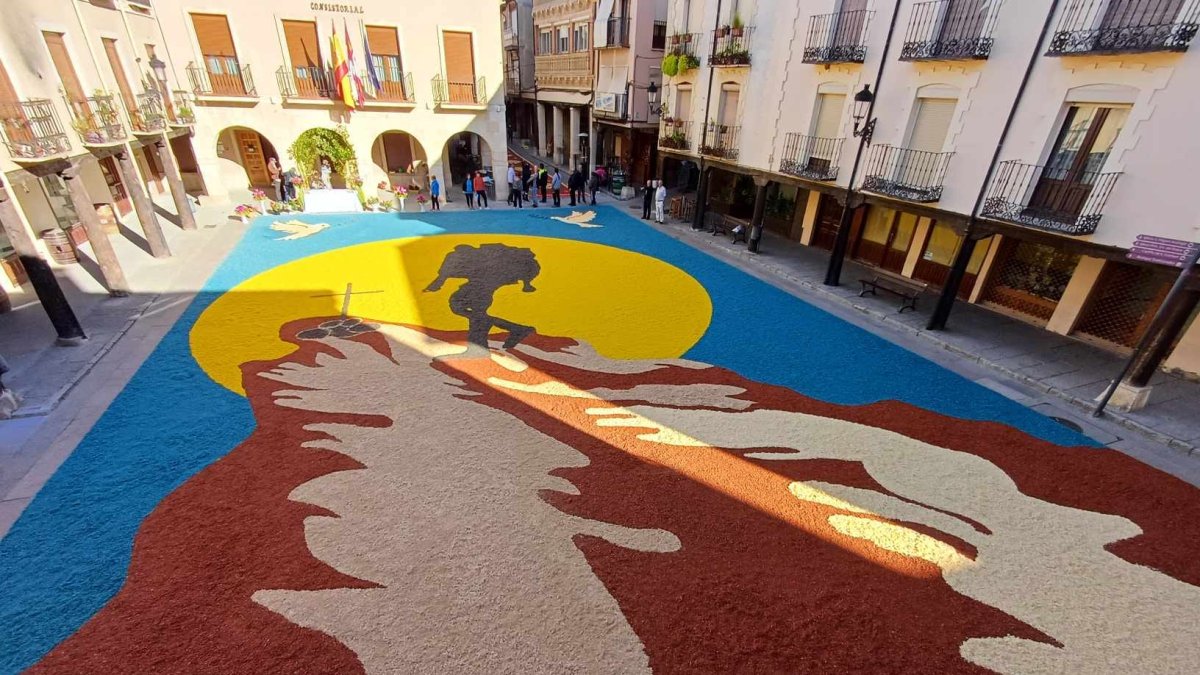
column 1083, row 145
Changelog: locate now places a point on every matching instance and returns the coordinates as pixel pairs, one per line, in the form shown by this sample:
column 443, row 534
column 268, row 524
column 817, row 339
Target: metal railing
column 398, row 90
column 183, row 114
column 236, row 82
column 913, row 175
column 1117, row 26
column 148, row 117
column 721, row 140
column 512, row 80
column 97, row 120
column 675, row 135
column 459, row 93
column 619, row 109
column 32, row 130
column 511, row 39
column 840, row 37
column 732, row 47
column 618, row 32
column 950, row 29
column 811, row 157
column 683, row 43
column 306, row 83
column 1046, row 198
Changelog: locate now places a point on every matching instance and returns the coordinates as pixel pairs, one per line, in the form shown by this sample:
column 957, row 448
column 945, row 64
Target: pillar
column 917, row 246
column 701, row 200
column 811, row 208
column 1173, row 318
column 760, row 206
column 833, row 275
column 540, row 111
column 1074, row 298
column 573, row 141
column 142, row 206
column 41, row 276
column 1186, row 356
column 183, row 206
column 106, row 257
column 985, row 269
column 556, row 154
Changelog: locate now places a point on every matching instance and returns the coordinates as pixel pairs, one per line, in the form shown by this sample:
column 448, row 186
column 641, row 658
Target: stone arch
column 342, row 169
column 243, row 154
column 464, row 152
column 400, row 158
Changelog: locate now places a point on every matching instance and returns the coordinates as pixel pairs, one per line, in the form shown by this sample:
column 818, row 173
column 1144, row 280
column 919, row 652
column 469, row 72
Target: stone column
column 760, row 207
column 41, row 276
column 701, row 201
column 540, row 109
column 557, row 154
column 106, row 257
column 142, row 206
column 1074, row 298
column 183, row 205
column 573, row 141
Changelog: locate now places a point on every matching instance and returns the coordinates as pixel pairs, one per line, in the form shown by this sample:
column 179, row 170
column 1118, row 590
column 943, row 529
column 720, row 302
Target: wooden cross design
column 346, row 297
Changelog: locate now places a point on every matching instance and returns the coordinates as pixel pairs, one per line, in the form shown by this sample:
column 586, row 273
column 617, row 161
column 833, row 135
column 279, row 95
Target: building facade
column 108, row 100
column 516, row 21
column 565, row 78
column 1087, row 102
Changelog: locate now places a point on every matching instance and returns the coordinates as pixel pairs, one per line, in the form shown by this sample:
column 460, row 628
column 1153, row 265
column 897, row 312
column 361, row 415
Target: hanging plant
column 670, row 65
column 688, row 62
column 334, row 144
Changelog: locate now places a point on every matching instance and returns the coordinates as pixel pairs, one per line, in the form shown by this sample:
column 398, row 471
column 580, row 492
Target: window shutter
column 62, row 63
column 383, row 41
column 114, row 62
column 460, row 57
column 685, row 105
column 212, row 32
column 303, row 48
column 8, row 93
column 829, row 115
column 932, row 124
column 729, row 107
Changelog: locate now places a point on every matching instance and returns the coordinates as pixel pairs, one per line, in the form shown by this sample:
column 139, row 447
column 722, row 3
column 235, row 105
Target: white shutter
column 729, row 107
column 683, row 110
column 828, row 120
column 932, row 124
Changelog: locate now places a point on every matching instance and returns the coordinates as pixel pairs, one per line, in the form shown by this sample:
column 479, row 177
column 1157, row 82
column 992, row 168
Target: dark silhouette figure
column 487, row 269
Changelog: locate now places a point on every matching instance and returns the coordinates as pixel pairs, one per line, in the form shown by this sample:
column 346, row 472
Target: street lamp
column 863, row 101
column 160, row 70
column 583, row 149
column 652, row 94
column 864, row 128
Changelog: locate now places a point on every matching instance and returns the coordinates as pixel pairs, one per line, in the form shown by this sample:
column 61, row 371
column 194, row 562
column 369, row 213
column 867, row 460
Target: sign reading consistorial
column 335, row 7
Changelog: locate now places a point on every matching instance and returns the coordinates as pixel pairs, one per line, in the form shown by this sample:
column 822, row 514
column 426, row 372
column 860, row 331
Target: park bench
column 908, row 290
column 736, row 227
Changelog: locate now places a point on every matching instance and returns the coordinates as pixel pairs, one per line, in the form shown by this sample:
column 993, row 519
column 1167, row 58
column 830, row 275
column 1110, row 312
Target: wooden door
column 76, row 98
column 460, row 66
column 253, row 160
column 385, row 53
column 829, row 215
column 1082, row 146
column 116, row 189
column 118, row 71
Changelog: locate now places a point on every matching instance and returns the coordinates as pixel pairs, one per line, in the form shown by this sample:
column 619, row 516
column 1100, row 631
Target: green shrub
column 670, row 65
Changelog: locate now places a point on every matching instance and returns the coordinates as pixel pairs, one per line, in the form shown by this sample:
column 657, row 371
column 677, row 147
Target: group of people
column 281, row 181
column 476, row 188
column 654, row 201
column 547, row 184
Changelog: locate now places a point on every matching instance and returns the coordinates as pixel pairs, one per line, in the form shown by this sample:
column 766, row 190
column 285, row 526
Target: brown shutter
column 8, row 93
column 212, row 32
column 460, row 57
column 383, row 41
column 302, row 44
column 114, row 62
column 62, row 63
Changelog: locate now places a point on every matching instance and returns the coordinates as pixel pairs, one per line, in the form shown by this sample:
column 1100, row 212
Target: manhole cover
column 1068, row 424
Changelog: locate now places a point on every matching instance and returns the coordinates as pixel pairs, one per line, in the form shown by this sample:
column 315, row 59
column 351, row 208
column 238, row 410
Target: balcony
column 611, row 106
column 148, row 117
column 565, row 70
column 32, row 131
column 732, row 47
column 306, row 84
column 811, row 157
column 721, row 141
column 512, row 81
column 97, row 120
column 675, row 135
column 840, row 37
column 396, row 87
column 912, row 175
column 511, row 39
column 947, row 30
column 182, row 112
column 1064, row 200
column 683, row 43
column 1125, row 26
column 455, row 93
column 224, row 78
column 618, row 32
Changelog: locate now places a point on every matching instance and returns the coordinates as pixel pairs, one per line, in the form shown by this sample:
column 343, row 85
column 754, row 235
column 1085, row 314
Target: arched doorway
column 315, row 146
column 464, row 153
column 250, row 151
column 401, row 156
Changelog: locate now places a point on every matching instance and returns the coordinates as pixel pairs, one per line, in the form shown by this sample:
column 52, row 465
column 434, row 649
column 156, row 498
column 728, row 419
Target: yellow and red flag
column 355, row 80
column 341, row 70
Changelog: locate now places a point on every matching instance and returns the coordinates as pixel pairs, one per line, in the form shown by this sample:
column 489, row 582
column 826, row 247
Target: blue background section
column 68, row 553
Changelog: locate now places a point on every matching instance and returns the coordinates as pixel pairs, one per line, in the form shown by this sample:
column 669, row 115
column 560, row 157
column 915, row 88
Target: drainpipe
column 958, row 269
column 702, row 186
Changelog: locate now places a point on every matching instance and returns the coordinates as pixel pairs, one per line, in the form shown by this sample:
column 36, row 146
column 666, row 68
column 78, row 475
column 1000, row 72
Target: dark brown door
column 885, row 240
column 220, row 57
column 1134, row 13
column 851, row 21
column 1082, row 146
column 156, row 176
column 253, row 161
column 311, row 80
column 829, row 215
column 460, row 66
column 76, row 97
column 120, row 197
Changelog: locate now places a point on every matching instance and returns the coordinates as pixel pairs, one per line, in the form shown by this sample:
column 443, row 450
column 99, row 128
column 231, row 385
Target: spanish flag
column 341, row 70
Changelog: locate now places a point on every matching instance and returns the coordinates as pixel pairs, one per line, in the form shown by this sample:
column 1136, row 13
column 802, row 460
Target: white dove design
column 297, row 230
column 582, row 219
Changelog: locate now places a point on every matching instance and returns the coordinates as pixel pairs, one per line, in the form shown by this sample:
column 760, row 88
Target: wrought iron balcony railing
column 397, row 88
column 683, row 43
column 811, row 157
column 675, row 134
column 611, row 106
column 148, row 117
column 182, row 112
column 618, row 32
column 97, row 120
column 459, row 93
column 1065, row 200
column 912, row 175
column 304, row 82
column 721, row 140
column 222, row 77
column 1120, row 26
column 32, row 131
column 731, row 48
column 950, row 29
column 840, row 37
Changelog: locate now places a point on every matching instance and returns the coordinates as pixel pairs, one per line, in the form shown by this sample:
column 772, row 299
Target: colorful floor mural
column 545, row 442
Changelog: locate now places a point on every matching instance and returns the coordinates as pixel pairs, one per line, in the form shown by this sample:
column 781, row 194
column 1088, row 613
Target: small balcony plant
column 688, row 62
column 670, row 65
column 733, row 55
column 676, row 140
column 737, row 28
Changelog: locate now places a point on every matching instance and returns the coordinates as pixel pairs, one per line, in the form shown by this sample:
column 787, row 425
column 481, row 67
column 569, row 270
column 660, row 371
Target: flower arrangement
column 383, row 185
column 258, row 195
column 421, row 199
column 279, row 207
column 401, row 192
column 371, row 203
column 354, row 183
column 245, row 211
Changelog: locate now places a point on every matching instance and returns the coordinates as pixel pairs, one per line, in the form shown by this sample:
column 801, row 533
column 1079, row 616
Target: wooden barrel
column 59, row 244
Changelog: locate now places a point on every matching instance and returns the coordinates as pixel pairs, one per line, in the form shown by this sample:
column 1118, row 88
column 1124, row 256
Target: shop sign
column 606, row 102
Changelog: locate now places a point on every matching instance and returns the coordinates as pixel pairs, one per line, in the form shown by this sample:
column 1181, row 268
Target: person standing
column 648, row 200
column 526, row 177
column 556, row 186
column 594, row 186
column 326, row 175
column 480, row 190
column 469, row 191
column 435, row 194
column 660, row 203
column 543, row 179
column 514, row 193
column 276, row 172
column 572, row 184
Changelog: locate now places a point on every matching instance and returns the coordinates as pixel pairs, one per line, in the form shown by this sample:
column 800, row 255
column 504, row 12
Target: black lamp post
column 863, row 103
column 652, row 94
column 864, row 128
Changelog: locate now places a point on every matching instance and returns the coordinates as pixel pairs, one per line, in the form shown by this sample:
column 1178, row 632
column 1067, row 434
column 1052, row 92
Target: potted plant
column 687, row 38
column 245, row 212
column 401, row 195
column 688, row 62
column 675, row 39
column 278, row 207
column 738, row 28
column 670, row 65
column 261, row 197
column 421, row 199
column 723, row 31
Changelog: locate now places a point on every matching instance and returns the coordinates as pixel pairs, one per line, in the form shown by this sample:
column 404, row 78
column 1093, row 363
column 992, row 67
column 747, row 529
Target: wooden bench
column 908, row 290
column 735, row 227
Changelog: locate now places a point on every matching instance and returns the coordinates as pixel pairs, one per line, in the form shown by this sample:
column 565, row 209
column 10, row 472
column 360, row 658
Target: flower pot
column 262, row 207
column 736, row 32
column 422, row 207
column 243, row 219
column 401, row 205
column 687, row 38
column 722, row 32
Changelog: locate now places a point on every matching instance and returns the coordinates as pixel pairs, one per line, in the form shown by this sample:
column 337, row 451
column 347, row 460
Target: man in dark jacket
column 543, row 179
column 575, row 185
column 648, row 199
column 594, row 186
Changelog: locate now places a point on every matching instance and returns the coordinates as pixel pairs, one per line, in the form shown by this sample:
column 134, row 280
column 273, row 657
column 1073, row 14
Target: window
column 1080, row 151
column 727, row 110
column 564, row 39
column 301, row 39
column 683, row 104
column 385, row 60
column 827, row 121
column 932, row 124
column 581, row 37
column 659, row 41
column 219, row 55
column 460, row 66
column 56, row 43
column 545, row 42
column 118, row 71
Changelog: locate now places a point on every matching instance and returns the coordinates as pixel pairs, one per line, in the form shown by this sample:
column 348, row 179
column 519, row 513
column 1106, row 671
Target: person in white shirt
column 660, row 203
column 514, row 194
